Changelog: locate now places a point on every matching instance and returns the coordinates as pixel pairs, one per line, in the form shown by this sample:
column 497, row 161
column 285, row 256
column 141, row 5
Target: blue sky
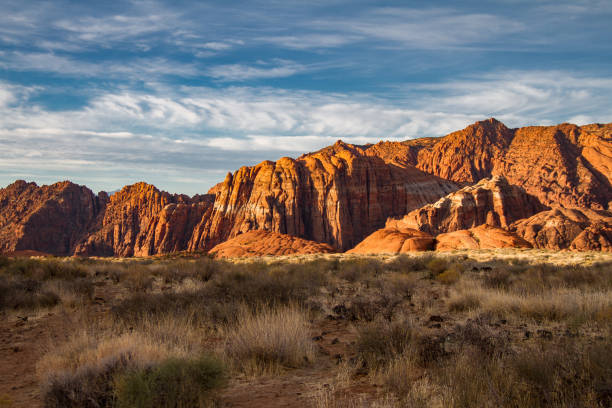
column 178, row 93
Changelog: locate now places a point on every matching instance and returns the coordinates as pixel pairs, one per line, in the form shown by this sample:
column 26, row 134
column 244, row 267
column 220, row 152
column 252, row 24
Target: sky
column 178, row 93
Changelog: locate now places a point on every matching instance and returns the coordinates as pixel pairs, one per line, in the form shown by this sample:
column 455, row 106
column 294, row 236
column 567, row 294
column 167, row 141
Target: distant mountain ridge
column 338, row 195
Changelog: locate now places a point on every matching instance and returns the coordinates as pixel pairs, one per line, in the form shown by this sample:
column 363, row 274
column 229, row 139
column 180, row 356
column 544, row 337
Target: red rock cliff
column 49, row 219
column 140, row 220
column 563, row 165
column 337, row 195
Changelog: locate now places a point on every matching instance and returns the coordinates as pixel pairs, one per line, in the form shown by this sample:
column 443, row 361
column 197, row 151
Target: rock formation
column 140, row 220
column 490, row 201
column 50, row 219
column 337, row 195
column 568, row 228
column 262, row 243
column 563, row 165
column 481, row 237
column 394, row 240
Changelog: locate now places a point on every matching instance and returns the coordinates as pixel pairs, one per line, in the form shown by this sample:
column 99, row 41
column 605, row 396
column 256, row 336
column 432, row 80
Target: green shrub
column 175, row 383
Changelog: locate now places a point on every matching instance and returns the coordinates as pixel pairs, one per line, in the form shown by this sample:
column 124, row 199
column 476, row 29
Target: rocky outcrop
column 568, row 228
column 140, row 220
column 49, row 219
column 337, row 195
column 563, row 165
column 394, row 240
column 481, row 237
column 264, row 243
column 490, row 201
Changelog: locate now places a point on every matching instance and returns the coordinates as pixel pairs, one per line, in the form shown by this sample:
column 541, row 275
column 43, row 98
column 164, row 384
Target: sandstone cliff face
column 568, row 228
column 481, row 237
column 50, row 219
column 337, row 195
column 563, row 165
column 263, row 243
column 394, row 240
column 490, row 201
column 140, row 220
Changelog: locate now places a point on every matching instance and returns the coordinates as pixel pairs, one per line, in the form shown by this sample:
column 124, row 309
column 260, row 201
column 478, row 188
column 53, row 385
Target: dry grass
column 559, row 304
column 261, row 316
column 267, row 340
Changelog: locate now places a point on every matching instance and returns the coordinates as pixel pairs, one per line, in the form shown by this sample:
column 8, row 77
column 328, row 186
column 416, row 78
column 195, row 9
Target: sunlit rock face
column 267, row 243
column 485, row 174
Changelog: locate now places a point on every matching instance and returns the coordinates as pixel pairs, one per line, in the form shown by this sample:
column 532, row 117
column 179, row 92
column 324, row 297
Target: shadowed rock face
column 568, row 228
column 338, row 195
column 262, row 243
column 50, row 219
column 490, row 201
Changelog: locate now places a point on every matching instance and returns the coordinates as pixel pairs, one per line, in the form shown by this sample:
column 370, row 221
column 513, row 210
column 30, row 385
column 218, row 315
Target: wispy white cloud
column 165, row 132
column 240, row 72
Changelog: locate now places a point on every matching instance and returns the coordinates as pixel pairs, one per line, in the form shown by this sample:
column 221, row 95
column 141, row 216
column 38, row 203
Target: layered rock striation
column 337, row 195
column 568, row 228
column 490, row 201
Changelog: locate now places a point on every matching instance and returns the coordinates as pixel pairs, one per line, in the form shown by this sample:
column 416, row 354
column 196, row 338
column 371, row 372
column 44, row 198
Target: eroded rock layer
column 490, row 201
column 263, row 243
column 563, row 165
column 568, row 228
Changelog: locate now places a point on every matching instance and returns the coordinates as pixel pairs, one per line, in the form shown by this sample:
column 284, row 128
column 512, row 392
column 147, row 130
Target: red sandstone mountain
column 262, row 243
column 568, row 228
column 490, row 201
column 140, row 220
column 563, row 165
column 49, row 219
column 338, row 195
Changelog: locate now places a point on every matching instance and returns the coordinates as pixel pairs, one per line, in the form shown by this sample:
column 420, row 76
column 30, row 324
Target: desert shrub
column 38, row 269
column 463, row 302
column 196, row 304
column 270, row 339
column 174, row 383
column 451, row 275
column 257, row 283
column 25, row 294
column 353, row 270
column 436, row 266
column 202, row 269
column 138, row 279
column 90, row 386
column 381, row 342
